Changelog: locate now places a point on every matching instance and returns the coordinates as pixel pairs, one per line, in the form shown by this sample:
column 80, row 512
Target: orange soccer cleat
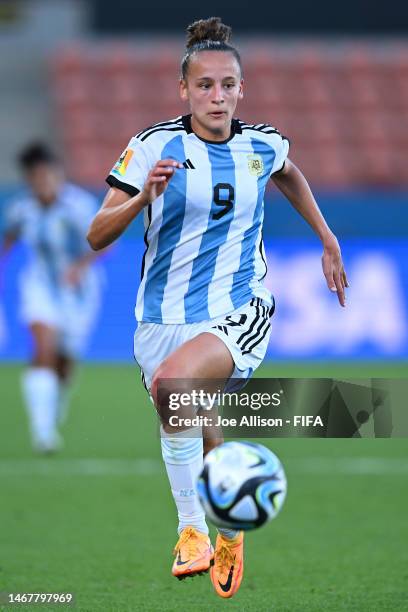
column 227, row 571
column 194, row 554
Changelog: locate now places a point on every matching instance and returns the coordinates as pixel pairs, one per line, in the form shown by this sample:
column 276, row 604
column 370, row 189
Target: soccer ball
column 242, row 485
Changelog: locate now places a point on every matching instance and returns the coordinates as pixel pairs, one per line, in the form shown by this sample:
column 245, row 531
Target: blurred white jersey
column 56, row 234
column 204, row 252
column 56, row 238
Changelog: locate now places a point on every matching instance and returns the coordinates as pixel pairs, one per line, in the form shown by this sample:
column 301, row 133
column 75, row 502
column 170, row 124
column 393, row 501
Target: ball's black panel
column 249, row 488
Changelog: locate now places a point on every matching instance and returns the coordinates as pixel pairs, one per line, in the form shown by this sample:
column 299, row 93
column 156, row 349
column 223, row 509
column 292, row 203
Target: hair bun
column 207, row 29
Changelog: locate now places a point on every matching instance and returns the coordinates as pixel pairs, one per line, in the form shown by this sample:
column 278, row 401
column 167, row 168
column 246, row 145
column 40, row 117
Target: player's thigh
column 203, row 357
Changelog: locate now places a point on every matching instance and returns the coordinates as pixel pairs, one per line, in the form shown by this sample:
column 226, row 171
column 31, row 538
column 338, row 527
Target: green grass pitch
column 98, row 519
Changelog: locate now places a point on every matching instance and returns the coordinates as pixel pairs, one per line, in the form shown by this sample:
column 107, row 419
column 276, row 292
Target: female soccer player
column 202, row 308
column 59, row 290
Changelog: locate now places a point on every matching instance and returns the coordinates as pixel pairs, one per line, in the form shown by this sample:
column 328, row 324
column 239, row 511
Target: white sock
column 183, row 457
column 40, row 389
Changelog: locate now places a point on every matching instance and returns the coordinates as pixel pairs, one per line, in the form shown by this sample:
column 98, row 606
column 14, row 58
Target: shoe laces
column 224, row 557
column 189, row 539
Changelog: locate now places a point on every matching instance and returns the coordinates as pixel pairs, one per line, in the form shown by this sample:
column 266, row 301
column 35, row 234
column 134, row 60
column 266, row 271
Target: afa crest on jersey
column 255, row 165
column 123, row 162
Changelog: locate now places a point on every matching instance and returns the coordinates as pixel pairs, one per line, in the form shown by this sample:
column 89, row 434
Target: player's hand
column 333, row 268
column 158, row 178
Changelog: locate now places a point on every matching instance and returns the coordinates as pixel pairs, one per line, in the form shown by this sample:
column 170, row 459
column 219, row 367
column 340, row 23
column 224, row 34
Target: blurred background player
column 58, row 287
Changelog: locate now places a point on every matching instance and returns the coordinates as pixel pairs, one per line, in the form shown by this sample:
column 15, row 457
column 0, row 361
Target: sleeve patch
column 123, row 162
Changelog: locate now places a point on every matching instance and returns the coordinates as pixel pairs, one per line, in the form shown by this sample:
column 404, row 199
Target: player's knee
column 44, row 344
column 166, row 384
column 165, row 372
column 44, row 357
column 159, row 390
column 154, row 386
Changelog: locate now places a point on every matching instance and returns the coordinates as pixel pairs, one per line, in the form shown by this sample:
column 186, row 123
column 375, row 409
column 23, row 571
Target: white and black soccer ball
column 242, row 485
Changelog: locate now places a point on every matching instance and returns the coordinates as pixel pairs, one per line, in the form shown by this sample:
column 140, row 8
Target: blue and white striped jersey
column 56, row 234
column 204, row 252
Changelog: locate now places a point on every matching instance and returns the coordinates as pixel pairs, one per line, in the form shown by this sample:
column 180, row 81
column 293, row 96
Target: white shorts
column 245, row 332
column 70, row 311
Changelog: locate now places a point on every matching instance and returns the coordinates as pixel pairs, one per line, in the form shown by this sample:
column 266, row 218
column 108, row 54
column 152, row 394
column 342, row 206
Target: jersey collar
column 235, row 129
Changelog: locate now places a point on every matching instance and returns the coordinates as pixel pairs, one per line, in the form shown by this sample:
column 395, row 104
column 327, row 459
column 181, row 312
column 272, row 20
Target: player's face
column 45, row 181
column 213, row 87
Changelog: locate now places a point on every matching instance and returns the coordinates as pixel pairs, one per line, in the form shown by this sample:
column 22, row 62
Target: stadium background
column 85, row 76
column 76, row 77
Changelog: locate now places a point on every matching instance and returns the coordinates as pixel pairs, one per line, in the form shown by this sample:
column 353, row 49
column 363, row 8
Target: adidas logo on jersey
column 188, row 165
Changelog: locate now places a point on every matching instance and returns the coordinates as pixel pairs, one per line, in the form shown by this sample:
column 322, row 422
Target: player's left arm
column 291, row 182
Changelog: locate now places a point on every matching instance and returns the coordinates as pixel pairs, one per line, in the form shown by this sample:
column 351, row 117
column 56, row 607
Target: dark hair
column 34, row 154
column 207, row 35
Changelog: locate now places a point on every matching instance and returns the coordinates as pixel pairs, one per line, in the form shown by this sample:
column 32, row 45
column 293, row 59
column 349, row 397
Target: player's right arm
column 118, row 209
